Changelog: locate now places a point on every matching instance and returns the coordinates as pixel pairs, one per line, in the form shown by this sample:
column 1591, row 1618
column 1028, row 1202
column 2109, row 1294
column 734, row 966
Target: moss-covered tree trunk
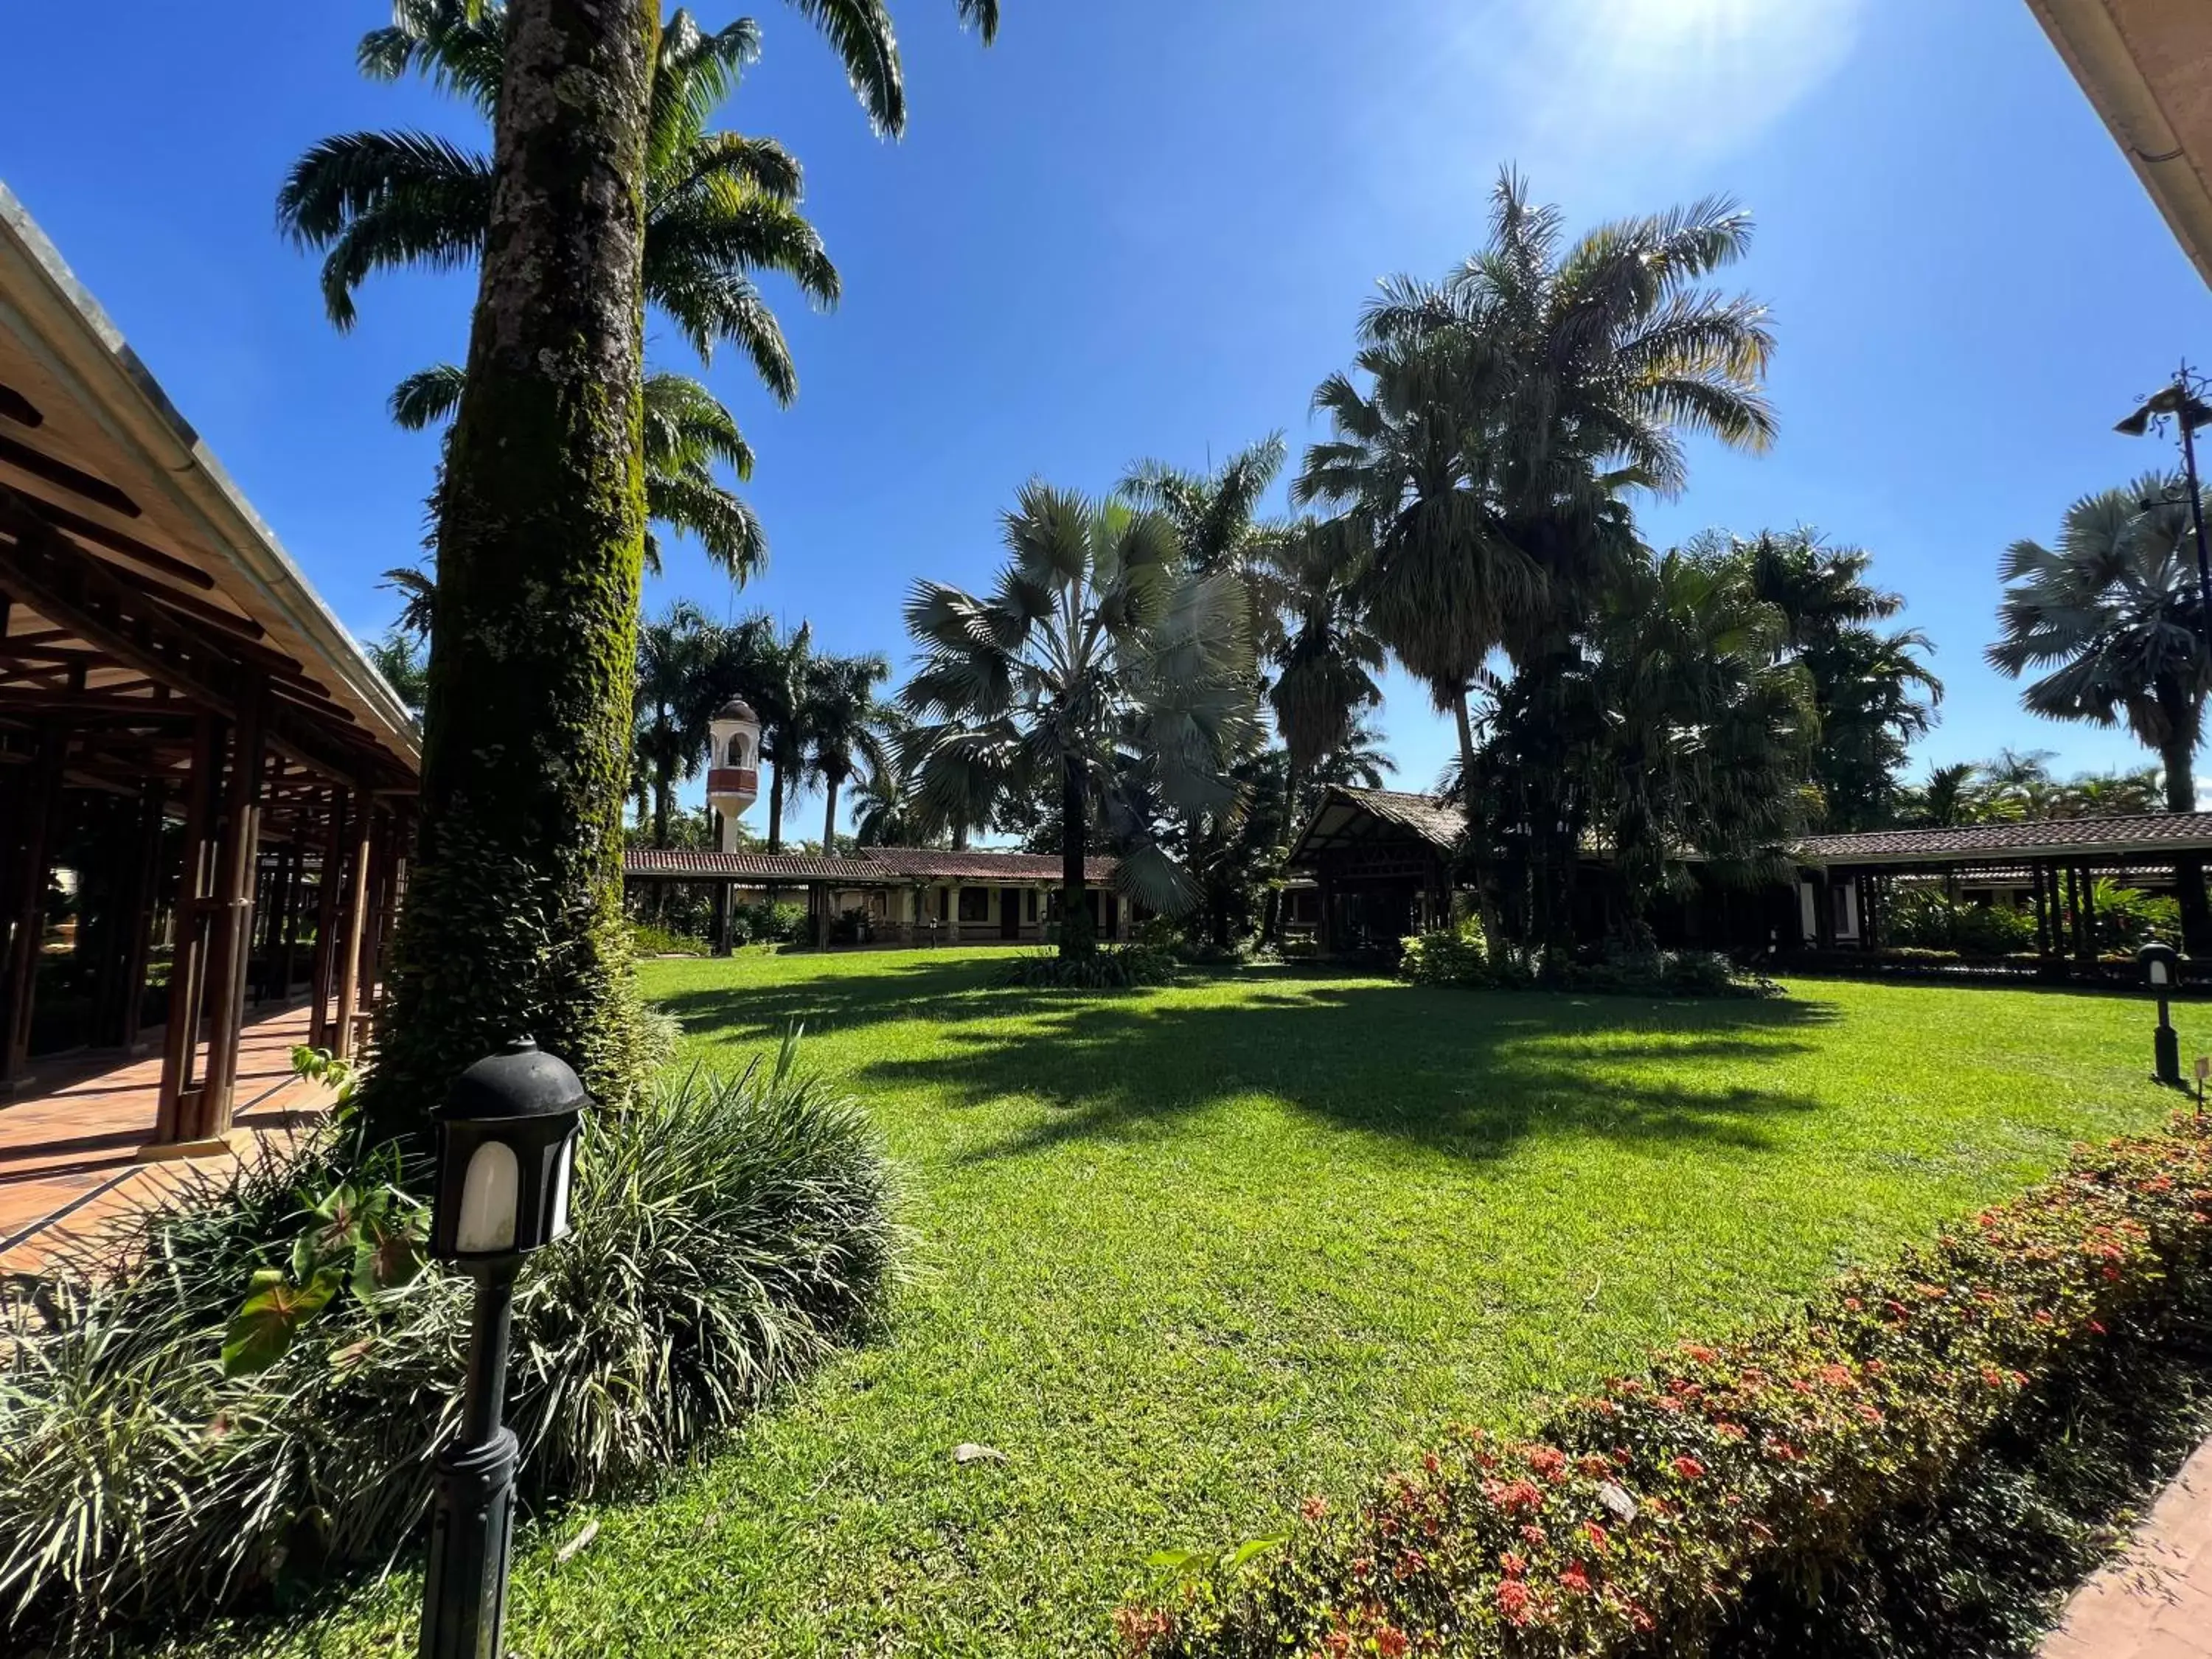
column 513, row 915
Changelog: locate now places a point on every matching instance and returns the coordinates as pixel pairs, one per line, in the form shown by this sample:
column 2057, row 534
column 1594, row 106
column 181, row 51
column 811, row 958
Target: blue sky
column 1146, row 228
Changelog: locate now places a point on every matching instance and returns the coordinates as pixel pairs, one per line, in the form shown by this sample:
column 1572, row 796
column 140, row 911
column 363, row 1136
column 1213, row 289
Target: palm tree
column 1705, row 724
column 1950, row 800
column 1327, row 656
column 2112, row 620
column 676, row 654
column 686, row 433
column 513, row 919
column 1101, row 667
column 1359, row 761
column 841, row 718
column 1875, row 694
column 398, row 657
column 1508, row 406
column 776, row 685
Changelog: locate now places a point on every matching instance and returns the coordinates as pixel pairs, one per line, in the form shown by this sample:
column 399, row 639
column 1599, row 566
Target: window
column 975, row 904
column 1028, row 905
column 737, row 750
column 944, row 904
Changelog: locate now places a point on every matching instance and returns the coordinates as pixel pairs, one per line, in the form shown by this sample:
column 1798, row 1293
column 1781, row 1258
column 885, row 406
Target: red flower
column 1313, row 1510
column 1704, row 1356
column 1512, row 1564
column 1390, row 1641
column 1409, row 1564
column 1574, row 1581
column 1729, row 1431
column 2096, row 1327
column 1513, row 1602
column 1548, row 1462
column 1601, row 1541
column 1689, row 1469
column 1837, row 1376
column 1534, row 1537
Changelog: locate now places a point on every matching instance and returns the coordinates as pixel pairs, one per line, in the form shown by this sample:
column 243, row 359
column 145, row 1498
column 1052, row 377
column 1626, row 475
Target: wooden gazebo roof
column 137, row 588
column 1348, row 818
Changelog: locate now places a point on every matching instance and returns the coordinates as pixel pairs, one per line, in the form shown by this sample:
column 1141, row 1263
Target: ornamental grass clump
column 729, row 1232
column 1639, row 1517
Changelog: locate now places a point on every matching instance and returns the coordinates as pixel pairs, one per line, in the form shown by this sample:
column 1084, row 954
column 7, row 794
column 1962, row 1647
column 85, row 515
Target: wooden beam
column 326, row 922
column 176, row 1101
column 356, row 909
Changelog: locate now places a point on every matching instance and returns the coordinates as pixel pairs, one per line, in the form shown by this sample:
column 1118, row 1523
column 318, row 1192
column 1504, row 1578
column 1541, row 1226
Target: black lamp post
column 507, row 1142
column 2160, row 962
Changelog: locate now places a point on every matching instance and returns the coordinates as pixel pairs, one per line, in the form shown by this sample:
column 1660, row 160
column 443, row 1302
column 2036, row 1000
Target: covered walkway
column 83, row 1149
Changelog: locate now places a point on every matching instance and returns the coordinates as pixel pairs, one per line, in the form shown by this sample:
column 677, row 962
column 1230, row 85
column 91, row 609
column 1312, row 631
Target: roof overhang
column 96, row 447
column 2146, row 66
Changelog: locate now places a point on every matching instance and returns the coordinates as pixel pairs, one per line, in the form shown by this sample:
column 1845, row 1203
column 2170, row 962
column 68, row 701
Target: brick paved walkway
column 2155, row 1601
column 71, row 1147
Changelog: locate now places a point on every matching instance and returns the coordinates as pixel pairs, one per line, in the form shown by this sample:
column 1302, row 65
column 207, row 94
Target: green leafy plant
column 1116, row 968
column 1639, row 1517
column 321, row 1065
column 1447, row 956
column 164, row 1451
column 1924, row 918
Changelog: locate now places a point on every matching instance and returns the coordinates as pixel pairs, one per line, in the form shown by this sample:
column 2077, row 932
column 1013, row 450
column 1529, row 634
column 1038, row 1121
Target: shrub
column 1924, row 918
column 650, row 938
column 729, row 1231
column 2128, row 918
column 763, row 923
column 1114, row 968
column 1447, row 956
column 1639, row 1517
column 1460, row 956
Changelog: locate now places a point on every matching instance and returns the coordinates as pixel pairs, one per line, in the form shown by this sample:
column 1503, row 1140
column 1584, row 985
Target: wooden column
column 138, row 937
column 27, row 926
column 237, row 870
column 356, row 916
column 321, row 973
column 179, row 1098
column 288, row 939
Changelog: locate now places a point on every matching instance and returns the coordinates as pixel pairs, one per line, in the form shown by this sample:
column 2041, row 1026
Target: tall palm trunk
column 2178, row 755
column 776, row 808
column 514, row 921
column 829, row 815
column 1077, row 935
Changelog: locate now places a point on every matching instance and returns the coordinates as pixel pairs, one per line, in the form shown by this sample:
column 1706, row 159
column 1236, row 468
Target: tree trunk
column 2179, row 756
column 663, row 789
column 1466, row 755
column 829, row 817
column 776, row 808
column 1076, row 933
column 513, row 921
column 960, row 837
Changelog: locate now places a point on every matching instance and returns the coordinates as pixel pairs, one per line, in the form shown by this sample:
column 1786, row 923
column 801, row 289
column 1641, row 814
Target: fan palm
column 841, row 719
column 1101, row 667
column 2110, row 623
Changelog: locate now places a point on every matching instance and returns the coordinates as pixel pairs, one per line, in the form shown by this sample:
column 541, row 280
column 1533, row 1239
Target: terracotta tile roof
column 928, row 864
column 2133, row 832
column 875, row 866
column 760, row 867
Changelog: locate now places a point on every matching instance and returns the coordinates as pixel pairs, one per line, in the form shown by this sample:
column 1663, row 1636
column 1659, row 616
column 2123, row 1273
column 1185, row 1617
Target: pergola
column 2057, row 860
column 185, row 730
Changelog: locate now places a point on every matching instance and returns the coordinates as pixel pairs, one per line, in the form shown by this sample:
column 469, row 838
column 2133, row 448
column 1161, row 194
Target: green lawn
column 1187, row 1255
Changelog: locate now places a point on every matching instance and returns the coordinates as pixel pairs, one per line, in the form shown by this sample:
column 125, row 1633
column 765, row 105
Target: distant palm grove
column 1172, row 671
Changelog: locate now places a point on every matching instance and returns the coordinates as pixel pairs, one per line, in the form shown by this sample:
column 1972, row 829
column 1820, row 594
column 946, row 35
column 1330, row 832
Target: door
column 1009, row 913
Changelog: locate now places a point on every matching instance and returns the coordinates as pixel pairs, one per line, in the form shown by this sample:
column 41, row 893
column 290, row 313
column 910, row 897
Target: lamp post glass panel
column 2160, row 962
column 507, row 1148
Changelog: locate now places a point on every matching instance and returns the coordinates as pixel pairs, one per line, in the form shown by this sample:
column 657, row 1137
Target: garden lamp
column 2162, row 966
column 506, row 1139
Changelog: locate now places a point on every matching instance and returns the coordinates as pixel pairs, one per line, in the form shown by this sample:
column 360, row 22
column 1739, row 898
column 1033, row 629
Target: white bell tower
column 733, row 766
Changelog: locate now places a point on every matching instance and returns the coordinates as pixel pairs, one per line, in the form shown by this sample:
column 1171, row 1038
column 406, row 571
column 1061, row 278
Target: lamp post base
column 472, row 1534
column 2165, row 1049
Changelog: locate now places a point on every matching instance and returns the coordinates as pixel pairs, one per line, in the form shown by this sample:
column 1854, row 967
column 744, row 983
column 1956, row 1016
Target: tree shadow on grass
column 890, row 988
column 1467, row 1075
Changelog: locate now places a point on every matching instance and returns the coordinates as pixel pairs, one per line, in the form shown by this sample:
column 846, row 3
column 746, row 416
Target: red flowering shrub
column 1641, row 1513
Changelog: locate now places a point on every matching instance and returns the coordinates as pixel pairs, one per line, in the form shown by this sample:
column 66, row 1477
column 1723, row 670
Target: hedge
column 1638, row 1517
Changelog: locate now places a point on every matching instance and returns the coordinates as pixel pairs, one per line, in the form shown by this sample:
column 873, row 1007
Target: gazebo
column 206, row 790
